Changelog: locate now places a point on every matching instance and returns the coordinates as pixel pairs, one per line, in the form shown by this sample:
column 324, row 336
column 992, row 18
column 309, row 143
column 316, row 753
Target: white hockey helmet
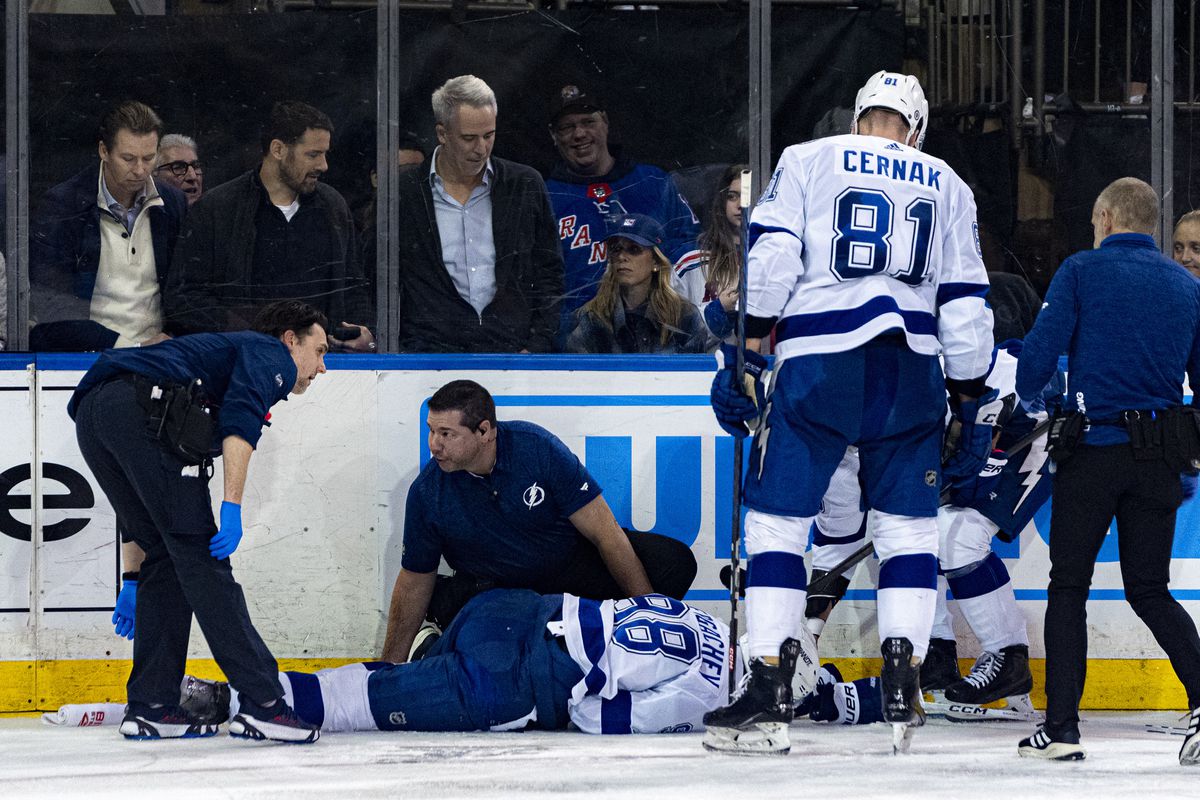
column 895, row 92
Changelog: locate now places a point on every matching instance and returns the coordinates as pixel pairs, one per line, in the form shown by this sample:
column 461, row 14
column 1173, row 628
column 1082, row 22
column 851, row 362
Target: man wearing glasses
column 179, row 165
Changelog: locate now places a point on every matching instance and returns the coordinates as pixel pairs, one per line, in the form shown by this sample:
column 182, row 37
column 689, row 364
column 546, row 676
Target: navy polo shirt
column 244, row 373
column 511, row 526
column 1129, row 319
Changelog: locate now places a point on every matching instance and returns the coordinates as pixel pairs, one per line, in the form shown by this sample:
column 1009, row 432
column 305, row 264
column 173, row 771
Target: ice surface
column 965, row 760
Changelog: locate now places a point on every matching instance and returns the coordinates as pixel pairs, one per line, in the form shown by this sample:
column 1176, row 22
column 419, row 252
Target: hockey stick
column 825, row 582
column 740, row 374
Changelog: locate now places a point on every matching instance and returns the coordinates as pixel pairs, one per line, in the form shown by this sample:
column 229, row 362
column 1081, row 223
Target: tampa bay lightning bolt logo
column 975, row 231
column 534, row 496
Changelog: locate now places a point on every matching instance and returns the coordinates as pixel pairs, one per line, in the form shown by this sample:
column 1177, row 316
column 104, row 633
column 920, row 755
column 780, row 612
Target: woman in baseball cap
column 636, row 310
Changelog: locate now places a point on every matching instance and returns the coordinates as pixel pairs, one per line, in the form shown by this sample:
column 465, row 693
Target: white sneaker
column 1040, row 745
column 427, row 636
column 1189, row 754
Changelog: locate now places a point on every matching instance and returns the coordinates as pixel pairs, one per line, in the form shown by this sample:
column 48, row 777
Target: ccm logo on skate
column 79, row 495
column 978, row 711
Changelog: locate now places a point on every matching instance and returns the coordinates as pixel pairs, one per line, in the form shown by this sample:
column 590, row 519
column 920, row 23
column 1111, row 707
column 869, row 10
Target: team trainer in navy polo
column 127, row 421
column 1129, row 319
column 508, row 505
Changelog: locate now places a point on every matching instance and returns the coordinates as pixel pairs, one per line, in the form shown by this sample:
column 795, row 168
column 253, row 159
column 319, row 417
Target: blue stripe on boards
column 989, row 576
column 777, row 570
column 616, row 715
column 915, row 571
column 826, row 323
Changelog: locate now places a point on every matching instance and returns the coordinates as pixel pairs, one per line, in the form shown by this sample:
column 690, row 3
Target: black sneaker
column 1189, row 753
column 994, row 677
column 427, row 636
column 165, row 722
column 1042, row 745
column 940, row 667
column 278, row 723
column 899, row 683
column 757, row 721
column 208, row 701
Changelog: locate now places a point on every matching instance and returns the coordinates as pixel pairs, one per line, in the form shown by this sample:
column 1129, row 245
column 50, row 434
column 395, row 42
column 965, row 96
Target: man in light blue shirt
column 465, row 225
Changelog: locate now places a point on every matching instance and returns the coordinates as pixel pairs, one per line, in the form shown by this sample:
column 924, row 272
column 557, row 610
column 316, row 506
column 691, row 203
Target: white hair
column 465, row 90
column 174, row 140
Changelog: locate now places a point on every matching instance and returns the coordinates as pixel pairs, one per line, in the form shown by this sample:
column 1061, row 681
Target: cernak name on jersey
column 860, row 162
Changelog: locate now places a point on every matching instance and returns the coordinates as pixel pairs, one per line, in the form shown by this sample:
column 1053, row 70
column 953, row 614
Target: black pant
column 669, row 564
column 169, row 514
column 1092, row 487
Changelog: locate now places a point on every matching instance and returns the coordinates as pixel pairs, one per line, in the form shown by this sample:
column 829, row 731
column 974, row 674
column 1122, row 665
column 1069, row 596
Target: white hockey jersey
column 856, row 235
column 651, row 664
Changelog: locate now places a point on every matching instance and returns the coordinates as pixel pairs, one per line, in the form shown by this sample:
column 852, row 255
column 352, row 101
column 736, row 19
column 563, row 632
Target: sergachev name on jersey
column 862, row 162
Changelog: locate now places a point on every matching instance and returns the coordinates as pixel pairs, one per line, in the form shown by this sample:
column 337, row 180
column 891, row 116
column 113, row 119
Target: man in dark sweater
column 274, row 233
column 1129, row 319
column 480, row 268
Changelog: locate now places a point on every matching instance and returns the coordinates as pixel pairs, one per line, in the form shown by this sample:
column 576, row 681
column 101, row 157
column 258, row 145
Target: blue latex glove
column 970, row 453
column 735, row 405
column 1189, row 486
column 123, row 614
column 226, row 541
column 976, row 490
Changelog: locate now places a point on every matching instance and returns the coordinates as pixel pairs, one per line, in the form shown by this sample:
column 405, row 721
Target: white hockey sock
column 943, row 623
column 995, row 618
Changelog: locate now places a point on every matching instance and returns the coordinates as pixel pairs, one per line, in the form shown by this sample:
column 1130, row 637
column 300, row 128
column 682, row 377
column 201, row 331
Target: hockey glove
column 971, row 491
column 969, row 439
column 226, row 541
column 1189, row 486
column 123, row 614
column 733, row 405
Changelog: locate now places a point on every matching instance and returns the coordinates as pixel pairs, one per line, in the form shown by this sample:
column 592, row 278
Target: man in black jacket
column 274, row 233
column 480, row 268
column 101, row 243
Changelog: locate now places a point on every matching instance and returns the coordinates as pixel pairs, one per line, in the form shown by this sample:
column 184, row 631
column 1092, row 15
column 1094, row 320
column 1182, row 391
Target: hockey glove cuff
column 969, row 492
column 734, row 405
column 969, row 438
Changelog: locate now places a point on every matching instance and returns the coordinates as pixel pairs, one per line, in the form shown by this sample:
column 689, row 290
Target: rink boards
column 324, row 513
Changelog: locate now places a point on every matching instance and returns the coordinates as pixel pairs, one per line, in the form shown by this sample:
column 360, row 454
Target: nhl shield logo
column 931, row 477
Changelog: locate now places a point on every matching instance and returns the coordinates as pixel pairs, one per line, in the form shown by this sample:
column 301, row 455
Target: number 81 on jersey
column 862, row 236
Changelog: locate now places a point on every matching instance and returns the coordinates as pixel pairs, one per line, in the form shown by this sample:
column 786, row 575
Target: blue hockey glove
column 123, row 614
column 1189, row 486
column 734, row 405
column 226, row 541
column 969, row 438
column 971, row 491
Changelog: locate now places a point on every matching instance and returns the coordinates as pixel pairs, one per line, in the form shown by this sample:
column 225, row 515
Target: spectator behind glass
column 100, row 243
column 593, row 183
column 274, row 233
column 717, row 283
column 480, row 270
column 636, row 310
column 178, row 164
column 1186, row 242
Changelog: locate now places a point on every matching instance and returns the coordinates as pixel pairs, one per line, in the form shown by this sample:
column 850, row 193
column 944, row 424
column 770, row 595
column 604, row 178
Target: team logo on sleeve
column 975, row 233
column 534, row 496
column 279, row 380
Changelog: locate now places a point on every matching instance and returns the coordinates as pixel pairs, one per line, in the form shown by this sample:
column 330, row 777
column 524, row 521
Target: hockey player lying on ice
column 514, row 659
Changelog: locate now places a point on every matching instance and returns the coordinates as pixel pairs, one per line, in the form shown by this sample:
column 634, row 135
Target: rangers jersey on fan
column 859, row 235
column 583, row 207
column 651, row 664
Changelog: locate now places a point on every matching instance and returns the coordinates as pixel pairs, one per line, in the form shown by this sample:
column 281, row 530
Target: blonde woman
column 636, row 310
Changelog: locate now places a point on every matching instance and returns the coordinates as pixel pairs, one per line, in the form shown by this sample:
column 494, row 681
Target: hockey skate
column 940, row 668
column 1002, row 675
column 900, row 684
column 756, row 723
column 1189, row 753
column 207, row 701
column 165, row 722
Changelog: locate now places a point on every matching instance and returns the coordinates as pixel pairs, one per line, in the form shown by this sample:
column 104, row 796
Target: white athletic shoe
column 1189, row 754
column 1040, row 745
column 165, row 722
column 427, row 636
column 278, row 723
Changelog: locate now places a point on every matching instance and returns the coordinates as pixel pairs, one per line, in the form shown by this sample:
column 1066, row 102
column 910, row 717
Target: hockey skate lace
column 986, row 668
